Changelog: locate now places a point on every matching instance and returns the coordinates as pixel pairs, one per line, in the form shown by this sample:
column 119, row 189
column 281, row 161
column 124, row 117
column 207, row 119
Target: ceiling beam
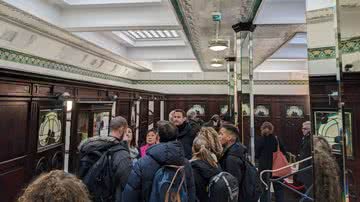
column 97, row 3
column 119, row 19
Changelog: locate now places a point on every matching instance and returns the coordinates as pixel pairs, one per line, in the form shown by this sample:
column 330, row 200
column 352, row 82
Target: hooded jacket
column 203, row 172
column 121, row 164
column 139, row 185
column 232, row 162
column 186, row 136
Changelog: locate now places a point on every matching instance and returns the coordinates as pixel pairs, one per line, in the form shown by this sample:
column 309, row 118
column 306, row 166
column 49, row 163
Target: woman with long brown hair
column 326, row 172
column 55, row 186
column 206, row 149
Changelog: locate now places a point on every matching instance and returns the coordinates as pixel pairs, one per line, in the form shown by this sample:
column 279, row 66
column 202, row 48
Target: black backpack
column 223, row 187
column 95, row 170
column 250, row 188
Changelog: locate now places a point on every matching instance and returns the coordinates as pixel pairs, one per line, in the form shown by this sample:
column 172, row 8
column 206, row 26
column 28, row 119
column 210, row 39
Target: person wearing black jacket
column 168, row 152
column 186, row 132
column 305, row 151
column 121, row 161
column 234, row 153
column 264, row 148
column 206, row 148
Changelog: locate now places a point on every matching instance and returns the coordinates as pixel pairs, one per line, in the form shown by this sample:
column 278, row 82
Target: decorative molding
column 9, row 13
column 23, row 58
column 181, row 82
column 323, row 53
column 281, row 82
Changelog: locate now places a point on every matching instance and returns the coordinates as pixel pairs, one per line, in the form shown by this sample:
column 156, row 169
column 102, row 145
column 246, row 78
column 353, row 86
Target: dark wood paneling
column 212, row 103
column 123, row 108
column 14, row 88
column 144, row 120
column 320, row 88
column 13, row 129
column 13, row 177
column 42, row 90
column 87, row 93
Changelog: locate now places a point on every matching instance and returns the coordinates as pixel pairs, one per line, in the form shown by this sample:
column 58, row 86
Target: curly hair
column 55, row 186
column 327, row 172
column 206, row 145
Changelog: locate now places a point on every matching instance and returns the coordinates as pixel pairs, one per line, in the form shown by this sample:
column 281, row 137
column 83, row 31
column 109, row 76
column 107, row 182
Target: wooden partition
column 320, row 88
column 29, row 101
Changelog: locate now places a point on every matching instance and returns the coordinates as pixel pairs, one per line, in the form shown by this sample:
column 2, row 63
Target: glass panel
column 101, row 123
column 50, row 127
column 83, row 125
column 327, row 126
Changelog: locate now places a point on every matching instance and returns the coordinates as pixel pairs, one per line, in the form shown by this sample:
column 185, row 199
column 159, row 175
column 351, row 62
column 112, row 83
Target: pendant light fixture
column 216, row 62
column 217, row 44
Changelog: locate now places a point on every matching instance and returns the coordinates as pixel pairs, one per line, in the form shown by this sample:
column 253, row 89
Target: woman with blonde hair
column 206, row 149
column 55, row 186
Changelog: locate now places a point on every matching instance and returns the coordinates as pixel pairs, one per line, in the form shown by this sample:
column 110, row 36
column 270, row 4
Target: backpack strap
column 179, row 170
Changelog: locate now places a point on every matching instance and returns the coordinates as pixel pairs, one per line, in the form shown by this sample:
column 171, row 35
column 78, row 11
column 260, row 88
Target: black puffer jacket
column 140, row 181
column 203, row 172
column 121, row 159
column 186, row 136
column 264, row 148
column 232, row 162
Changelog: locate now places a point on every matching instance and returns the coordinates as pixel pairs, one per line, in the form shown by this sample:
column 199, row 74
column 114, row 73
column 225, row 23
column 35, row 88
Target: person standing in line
column 133, row 149
column 55, row 186
column 169, row 152
column 206, row 149
column 264, row 148
column 305, row 151
column 112, row 148
column 151, row 139
column 186, row 134
column 234, row 152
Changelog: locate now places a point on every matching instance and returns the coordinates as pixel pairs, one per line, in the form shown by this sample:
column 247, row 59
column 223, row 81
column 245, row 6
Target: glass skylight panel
column 174, row 33
column 148, row 34
column 167, row 33
column 141, row 34
column 161, row 33
column 134, row 34
column 154, row 33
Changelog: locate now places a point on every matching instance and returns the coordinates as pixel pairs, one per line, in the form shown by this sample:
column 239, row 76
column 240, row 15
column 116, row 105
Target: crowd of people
column 183, row 159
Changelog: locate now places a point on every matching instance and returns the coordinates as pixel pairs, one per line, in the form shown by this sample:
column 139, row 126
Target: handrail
column 290, row 165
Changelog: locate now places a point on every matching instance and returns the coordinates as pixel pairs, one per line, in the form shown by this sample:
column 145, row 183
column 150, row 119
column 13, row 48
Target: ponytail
column 201, row 152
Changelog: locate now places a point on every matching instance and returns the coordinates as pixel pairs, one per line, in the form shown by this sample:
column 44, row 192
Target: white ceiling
column 148, row 32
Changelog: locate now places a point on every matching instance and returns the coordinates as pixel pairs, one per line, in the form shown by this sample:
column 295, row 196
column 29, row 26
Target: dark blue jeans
column 279, row 193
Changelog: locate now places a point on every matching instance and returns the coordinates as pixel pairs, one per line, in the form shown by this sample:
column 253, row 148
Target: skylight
column 152, row 34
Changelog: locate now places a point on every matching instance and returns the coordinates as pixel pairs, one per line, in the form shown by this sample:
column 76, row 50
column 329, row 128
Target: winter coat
column 232, row 162
column 121, row 164
column 140, row 181
column 203, row 172
column 264, row 148
column 186, row 136
column 305, row 151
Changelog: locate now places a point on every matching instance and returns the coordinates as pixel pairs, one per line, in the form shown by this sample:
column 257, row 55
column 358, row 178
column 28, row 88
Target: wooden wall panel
column 13, row 129
column 15, row 88
column 320, row 88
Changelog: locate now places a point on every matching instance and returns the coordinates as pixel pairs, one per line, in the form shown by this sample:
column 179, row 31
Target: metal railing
column 268, row 180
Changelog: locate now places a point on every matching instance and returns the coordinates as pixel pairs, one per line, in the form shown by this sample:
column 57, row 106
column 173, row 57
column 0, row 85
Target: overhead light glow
column 161, row 33
column 174, row 33
column 218, row 44
column 217, row 62
column 148, row 34
column 134, row 34
column 141, row 34
column 154, row 33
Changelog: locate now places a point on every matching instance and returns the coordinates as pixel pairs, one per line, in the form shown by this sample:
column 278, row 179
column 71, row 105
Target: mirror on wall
column 330, row 49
